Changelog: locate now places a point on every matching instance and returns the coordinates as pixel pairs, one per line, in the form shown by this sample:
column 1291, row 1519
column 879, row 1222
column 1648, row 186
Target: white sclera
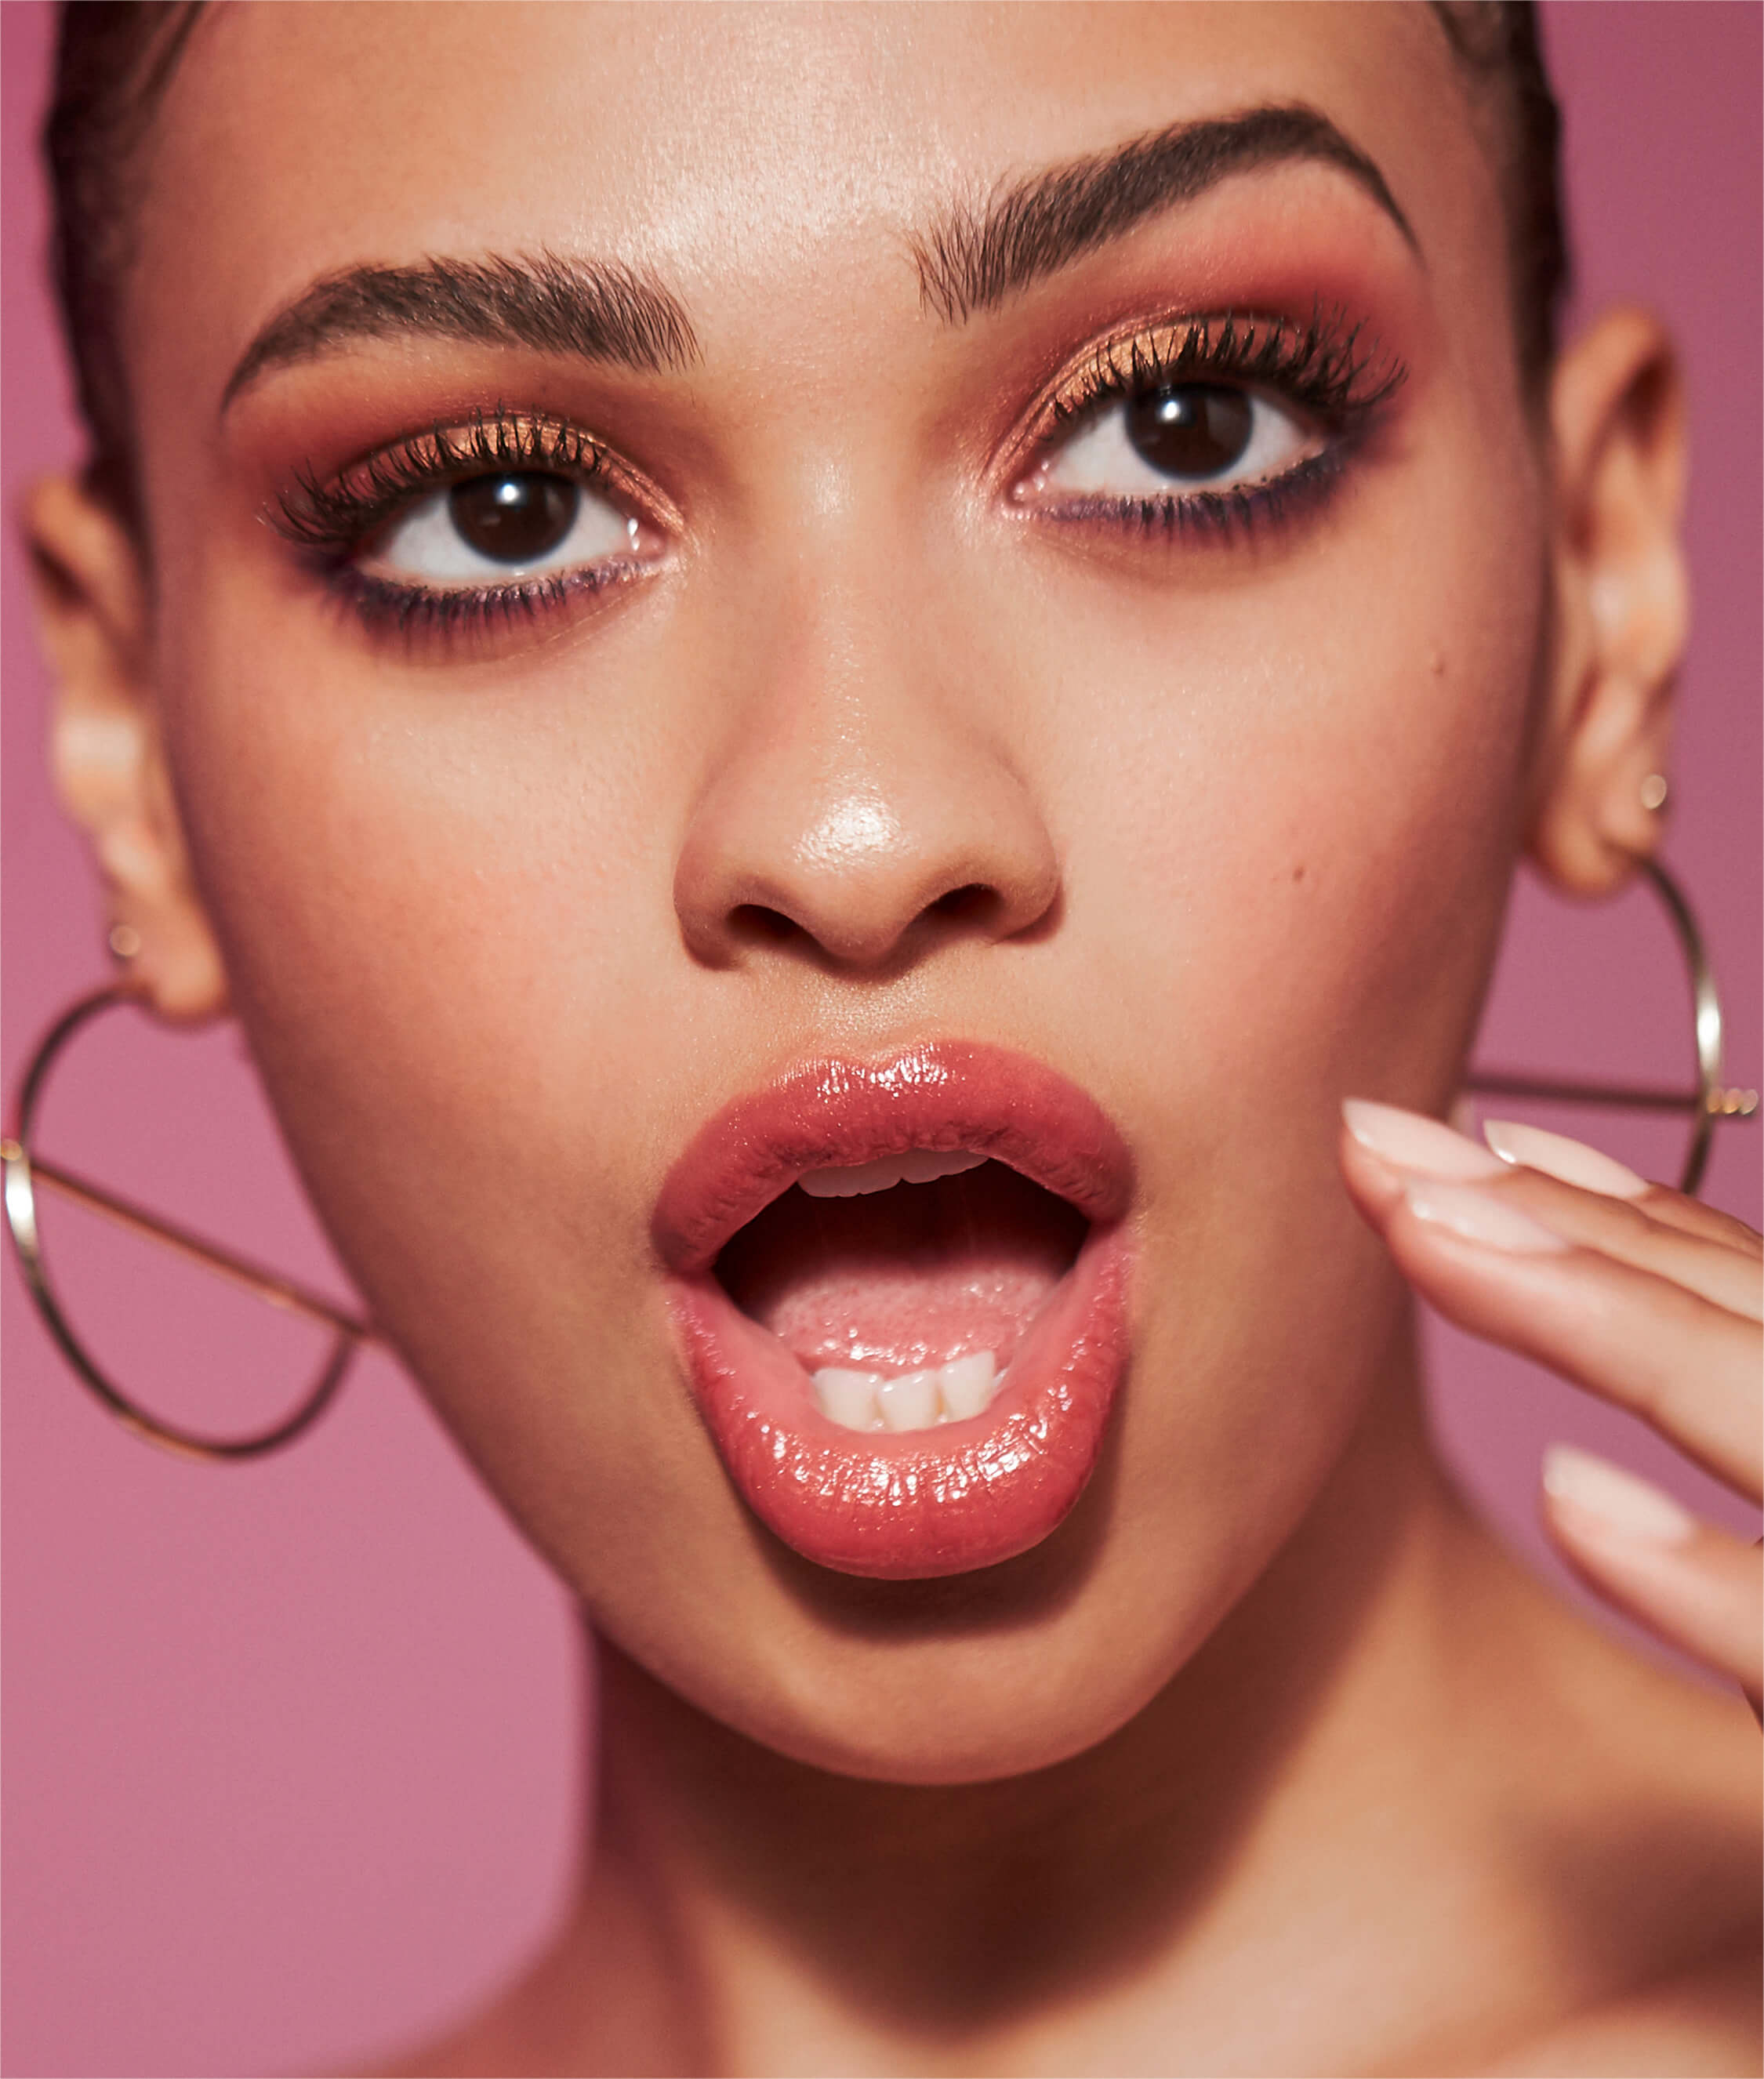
column 424, row 547
column 1100, row 460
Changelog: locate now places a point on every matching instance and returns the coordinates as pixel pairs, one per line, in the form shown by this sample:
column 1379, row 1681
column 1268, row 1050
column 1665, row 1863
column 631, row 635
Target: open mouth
column 901, row 1288
column 904, row 1286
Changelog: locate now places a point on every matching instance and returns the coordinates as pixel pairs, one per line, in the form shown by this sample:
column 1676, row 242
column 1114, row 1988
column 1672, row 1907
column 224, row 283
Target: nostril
column 755, row 924
column 974, row 904
column 973, row 907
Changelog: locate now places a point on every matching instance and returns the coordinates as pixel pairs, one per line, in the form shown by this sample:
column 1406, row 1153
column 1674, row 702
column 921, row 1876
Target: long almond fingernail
column 1626, row 1507
column 1410, row 1140
column 1479, row 1216
column 1573, row 1162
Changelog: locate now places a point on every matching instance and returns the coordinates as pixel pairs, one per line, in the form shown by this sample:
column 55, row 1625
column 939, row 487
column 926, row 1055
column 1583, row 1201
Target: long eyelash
column 334, row 517
column 1338, row 376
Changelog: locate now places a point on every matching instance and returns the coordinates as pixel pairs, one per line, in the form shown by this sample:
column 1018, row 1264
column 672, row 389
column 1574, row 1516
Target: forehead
column 740, row 151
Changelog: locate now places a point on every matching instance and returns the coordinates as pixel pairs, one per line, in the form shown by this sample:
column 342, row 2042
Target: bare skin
column 1268, row 1760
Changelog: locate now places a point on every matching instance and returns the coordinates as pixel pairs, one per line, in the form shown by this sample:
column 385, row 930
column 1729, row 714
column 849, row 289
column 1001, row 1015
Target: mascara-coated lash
column 1334, row 373
column 334, row 517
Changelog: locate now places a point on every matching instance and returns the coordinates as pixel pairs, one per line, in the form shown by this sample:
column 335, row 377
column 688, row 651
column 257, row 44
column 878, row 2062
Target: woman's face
column 895, row 622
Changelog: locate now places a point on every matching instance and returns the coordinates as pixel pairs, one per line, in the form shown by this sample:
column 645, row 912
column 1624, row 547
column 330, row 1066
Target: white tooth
column 847, row 1398
column 966, row 1384
column 864, row 1177
column 909, row 1402
column 923, row 1165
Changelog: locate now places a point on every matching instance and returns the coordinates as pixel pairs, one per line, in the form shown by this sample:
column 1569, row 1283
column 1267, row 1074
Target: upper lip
column 834, row 1113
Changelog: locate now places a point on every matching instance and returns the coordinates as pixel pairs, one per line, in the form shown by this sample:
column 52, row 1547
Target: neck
column 744, row 1911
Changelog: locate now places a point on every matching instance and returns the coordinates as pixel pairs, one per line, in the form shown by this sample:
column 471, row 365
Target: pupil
column 514, row 519
column 1196, row 430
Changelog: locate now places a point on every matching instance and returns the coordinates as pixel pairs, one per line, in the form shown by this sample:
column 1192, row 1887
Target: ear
column 105, row 751
column 1617, row 422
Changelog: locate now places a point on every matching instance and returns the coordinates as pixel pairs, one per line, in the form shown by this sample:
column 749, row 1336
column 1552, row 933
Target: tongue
column 898, row 1280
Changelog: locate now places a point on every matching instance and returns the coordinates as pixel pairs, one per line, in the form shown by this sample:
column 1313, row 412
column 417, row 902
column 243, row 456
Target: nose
column 859, row 812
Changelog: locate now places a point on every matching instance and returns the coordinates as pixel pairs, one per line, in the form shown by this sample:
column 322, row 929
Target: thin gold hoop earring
column 1712, row 1100
column 25, row 1170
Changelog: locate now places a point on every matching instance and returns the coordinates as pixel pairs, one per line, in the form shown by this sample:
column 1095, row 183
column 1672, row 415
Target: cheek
column 441, row 905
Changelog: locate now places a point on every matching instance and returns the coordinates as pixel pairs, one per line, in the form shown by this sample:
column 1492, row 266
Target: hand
column 1633, row 1291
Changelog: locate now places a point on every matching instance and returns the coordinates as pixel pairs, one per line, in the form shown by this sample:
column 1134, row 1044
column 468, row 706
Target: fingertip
column 1413, row 1143
column 1374, row 1183
column 1587, row 1492
column 1569, row 1161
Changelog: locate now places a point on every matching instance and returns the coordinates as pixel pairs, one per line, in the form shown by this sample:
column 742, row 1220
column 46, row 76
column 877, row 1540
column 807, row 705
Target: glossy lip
column 928, row 1502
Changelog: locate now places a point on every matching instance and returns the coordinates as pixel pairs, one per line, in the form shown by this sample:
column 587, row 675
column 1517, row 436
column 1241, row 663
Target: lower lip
column 928, row 1502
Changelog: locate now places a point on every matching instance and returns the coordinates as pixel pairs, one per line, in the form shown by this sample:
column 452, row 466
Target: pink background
column 292, row 1753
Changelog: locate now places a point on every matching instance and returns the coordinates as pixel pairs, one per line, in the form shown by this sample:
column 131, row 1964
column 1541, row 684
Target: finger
column 1573, row 1162
column 1692, row 1585
column 1692, row 1216
column 1625, row 1230
column 1591, row 1199
column 1686, row 1365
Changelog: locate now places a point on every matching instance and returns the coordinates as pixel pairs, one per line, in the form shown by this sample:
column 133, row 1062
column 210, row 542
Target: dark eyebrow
column 974, row 259
column 606, row 313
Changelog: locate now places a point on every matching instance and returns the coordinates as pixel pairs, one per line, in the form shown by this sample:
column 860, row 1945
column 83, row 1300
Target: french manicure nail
column 1629, row 1507
column 1573, row 1162
column 1477, row 1216
column 1410, row 1140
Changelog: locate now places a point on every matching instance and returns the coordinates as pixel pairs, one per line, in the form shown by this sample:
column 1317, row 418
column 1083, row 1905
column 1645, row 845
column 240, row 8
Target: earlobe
column 104, row 746
column 1621, row 610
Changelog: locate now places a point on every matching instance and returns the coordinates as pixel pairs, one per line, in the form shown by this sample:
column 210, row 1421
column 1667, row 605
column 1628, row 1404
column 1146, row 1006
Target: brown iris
column 514, row 519
column 1192, row 429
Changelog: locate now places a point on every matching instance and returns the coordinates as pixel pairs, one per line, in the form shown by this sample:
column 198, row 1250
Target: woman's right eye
column 491, row 530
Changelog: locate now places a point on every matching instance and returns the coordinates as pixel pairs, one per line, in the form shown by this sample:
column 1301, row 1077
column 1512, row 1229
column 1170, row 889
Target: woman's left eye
column 1197, row 437
column 490, row 529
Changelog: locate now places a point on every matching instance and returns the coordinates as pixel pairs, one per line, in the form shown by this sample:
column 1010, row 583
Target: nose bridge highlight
column 853, row 812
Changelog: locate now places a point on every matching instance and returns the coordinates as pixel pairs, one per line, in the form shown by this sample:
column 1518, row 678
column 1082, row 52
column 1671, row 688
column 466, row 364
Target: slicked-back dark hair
column 1500, row 46
column 114, row 59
